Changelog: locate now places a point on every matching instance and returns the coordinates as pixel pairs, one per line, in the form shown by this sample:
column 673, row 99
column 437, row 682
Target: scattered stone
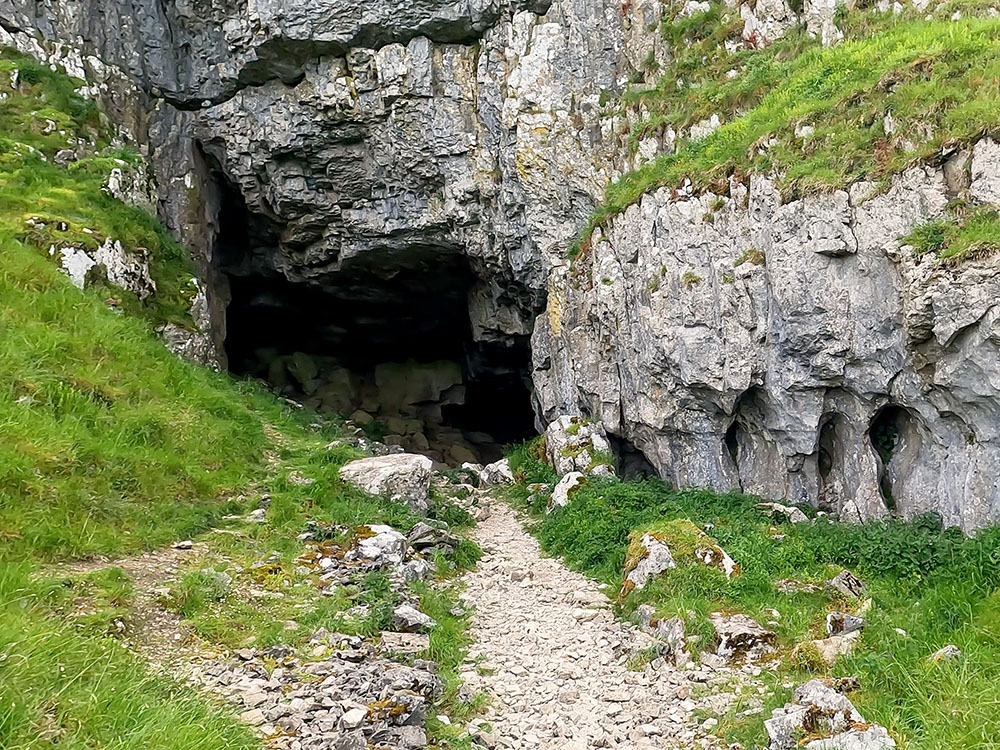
column 948, row 653
column 380, row 544
column 409, row 619
column 417, row 570
column 429, row 539
column 828, row 649
column 405, row 643
column 403, row 477
column 777, row 510
column 354, row 718
column 184, row 545
column 498, row 472
column 791, row 586
column 646, row 558
column 741, row 638
column 847, row 585
column 714, row 556
column 668, row 632
column 563, row 491
column 841, row 623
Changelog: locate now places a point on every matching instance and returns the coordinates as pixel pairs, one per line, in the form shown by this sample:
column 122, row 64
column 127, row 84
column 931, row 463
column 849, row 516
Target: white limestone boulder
column 498, row 472
column 378, row 544
column 402, row 477
column 564, row 490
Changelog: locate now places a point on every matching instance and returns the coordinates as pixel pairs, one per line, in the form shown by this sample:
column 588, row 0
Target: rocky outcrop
column 792, row 349
column 315, row 143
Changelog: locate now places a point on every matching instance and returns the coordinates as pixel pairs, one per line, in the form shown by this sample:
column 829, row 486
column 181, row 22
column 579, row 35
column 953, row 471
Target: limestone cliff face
column 360, row 134
column 793, row 350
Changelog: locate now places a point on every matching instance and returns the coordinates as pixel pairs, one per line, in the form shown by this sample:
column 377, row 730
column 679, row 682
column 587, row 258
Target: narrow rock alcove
column 830, row 461
column 895, row 440
column 630, row 461
column 383, row 337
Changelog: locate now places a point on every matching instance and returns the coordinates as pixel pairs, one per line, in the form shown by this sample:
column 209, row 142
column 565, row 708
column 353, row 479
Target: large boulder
column 403, row 477
column 574, row 444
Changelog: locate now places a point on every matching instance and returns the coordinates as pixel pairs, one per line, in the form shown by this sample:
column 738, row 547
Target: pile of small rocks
column 343, row 695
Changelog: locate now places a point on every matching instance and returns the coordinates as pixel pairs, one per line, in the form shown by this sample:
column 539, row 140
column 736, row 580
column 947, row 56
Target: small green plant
column 968, row 233
column 690, row 278
column 751, row 255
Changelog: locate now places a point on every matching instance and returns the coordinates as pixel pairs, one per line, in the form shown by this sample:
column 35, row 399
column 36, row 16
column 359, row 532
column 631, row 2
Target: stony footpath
column 556, row 663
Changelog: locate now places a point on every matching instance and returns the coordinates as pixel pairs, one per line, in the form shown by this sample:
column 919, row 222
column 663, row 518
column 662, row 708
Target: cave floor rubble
column 561, row 671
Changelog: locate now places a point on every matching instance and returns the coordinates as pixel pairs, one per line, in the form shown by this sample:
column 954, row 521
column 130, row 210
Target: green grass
column 966, row 234
column 939, row 80
column 33, row 187
column 62, row 688
column 938, row 585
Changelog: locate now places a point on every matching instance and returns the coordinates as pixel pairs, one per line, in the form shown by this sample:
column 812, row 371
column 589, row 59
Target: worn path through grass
column 563, row 672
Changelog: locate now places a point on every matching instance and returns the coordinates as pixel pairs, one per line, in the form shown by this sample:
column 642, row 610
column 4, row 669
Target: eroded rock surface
column 795, row 350
column 402, row 477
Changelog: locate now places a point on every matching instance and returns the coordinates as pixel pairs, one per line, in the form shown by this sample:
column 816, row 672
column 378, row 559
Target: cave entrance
column 830, row 461
column 385, row 339
column 630, row 460
column 892, row 436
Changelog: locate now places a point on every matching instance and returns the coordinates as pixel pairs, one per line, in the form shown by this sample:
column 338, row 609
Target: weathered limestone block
column 563, row 491
column 575, row 444
column 403, row 477
column 741, row 638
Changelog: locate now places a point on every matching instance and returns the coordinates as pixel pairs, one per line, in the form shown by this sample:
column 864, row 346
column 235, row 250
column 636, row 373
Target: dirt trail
column 153, row 632
column 555, row 659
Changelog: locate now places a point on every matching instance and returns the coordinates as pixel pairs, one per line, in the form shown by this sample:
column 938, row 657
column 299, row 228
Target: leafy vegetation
column 969, row 232
column 936, row 585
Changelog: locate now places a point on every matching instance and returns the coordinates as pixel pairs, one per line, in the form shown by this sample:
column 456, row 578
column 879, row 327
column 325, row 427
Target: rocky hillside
column 747, row 247
column 760, row 234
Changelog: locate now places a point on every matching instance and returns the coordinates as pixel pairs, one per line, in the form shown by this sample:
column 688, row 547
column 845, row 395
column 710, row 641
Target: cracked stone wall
column 359, row 133
column 745, row 343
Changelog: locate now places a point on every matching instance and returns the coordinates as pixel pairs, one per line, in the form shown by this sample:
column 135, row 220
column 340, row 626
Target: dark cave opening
column 631, row 462
column 386, row 339
column 886, row 433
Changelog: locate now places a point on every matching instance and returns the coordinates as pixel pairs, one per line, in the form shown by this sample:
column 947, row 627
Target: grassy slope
column 938, row 586
column 112, row 446
column 938, row 80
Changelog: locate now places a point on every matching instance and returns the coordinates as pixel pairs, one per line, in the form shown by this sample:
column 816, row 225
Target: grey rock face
column 811, row 348
column 456, row 139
